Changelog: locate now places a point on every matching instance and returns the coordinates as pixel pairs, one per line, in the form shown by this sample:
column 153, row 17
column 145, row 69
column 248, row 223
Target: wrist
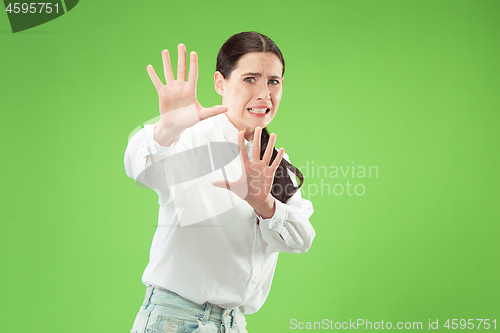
column 265, row 208
column 165, row 136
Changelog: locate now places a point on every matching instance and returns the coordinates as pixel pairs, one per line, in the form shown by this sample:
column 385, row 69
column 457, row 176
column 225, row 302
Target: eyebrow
column 259, row 74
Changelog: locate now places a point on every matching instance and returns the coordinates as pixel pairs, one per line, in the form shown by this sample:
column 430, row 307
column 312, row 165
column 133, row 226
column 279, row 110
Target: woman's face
column 252, row 92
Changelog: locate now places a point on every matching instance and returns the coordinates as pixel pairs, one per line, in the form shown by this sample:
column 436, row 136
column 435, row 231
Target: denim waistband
column 204, row 312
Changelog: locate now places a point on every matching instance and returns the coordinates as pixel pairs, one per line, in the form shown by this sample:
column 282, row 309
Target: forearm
column 164, row 135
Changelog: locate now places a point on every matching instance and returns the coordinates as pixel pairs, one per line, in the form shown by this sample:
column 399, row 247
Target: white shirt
column 208, row 246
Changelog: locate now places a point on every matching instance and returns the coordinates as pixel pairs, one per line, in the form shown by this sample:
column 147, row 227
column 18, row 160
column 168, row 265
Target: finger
column 243, row 149
column 269, row 149
column 154, row 78
column 193, row 69
column 181, row 63
column 256, row 144
column 213, row 111
column 167, row 67
column 277, row 160
column 222, row 184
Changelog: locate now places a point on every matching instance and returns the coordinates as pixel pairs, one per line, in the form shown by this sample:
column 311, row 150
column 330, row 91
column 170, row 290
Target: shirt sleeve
column 144, row 156
column 289, row 229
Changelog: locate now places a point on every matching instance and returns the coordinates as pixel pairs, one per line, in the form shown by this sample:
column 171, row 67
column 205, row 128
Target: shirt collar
column 228, row 129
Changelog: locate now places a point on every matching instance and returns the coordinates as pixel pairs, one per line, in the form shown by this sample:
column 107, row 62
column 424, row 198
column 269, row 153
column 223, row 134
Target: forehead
column 266, row 63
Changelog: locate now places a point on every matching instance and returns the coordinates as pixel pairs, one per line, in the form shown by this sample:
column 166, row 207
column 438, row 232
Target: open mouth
column 259, row 111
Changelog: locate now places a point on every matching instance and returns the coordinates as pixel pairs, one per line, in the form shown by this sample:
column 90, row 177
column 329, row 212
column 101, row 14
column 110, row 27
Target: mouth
column 258, row 112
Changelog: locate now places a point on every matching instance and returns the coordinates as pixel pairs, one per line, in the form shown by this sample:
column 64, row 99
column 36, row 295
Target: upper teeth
column 260, row 110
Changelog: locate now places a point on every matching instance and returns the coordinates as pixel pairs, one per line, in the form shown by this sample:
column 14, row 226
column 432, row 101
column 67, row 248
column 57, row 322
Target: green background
column 411, row 87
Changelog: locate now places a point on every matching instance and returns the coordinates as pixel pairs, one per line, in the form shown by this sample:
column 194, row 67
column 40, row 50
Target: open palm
column 179, row 108
column 255, row 183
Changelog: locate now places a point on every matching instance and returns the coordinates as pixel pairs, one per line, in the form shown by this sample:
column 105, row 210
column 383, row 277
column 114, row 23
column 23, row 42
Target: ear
column 219, row 83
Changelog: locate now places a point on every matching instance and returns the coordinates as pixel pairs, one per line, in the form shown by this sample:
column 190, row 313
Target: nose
column 263, row 94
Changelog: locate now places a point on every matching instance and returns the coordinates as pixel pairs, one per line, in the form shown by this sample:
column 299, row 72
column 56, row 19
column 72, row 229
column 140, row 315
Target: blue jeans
column 166, row 312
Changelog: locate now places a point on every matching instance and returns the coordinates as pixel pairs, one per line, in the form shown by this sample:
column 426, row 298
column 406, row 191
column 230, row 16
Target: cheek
column 277, row 95
column 243, row 96
column 234, row 96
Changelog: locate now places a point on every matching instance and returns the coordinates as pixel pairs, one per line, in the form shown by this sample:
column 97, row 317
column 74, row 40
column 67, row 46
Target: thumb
column 213, row 111
column 221, row 183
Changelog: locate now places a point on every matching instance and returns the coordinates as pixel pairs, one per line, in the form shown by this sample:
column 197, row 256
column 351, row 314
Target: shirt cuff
column 278, row 225
column 277, row 221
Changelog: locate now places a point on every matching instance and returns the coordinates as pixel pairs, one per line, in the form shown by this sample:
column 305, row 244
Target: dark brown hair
column 233, row 49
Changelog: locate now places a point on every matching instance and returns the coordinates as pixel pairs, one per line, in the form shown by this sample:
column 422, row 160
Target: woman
column 214, row 252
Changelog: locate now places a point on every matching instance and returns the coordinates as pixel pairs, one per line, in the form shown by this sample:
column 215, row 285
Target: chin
column 260, row 123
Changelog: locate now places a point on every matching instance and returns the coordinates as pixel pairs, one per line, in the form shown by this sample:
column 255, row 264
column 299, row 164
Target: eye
column 249, row 79
column 274, row 82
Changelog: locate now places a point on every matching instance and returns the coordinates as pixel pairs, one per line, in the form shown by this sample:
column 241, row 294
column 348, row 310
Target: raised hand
column 255, row 183
column 179, row 108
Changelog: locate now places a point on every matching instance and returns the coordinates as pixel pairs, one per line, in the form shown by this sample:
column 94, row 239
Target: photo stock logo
column 26, row 15
column 325, row 180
